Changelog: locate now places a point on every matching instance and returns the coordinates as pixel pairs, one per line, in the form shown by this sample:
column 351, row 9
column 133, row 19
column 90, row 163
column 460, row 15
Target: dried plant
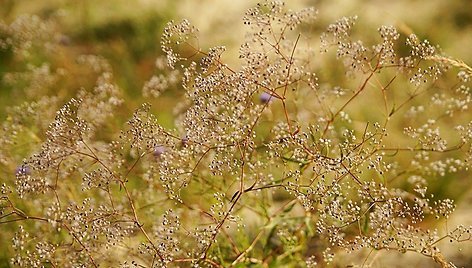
column 271, row 163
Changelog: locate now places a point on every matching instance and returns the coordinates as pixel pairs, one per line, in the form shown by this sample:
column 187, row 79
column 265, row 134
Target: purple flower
column 159, row 150
column 64, row 40
column 184, row 140
column 265, row 97
column 22, row 170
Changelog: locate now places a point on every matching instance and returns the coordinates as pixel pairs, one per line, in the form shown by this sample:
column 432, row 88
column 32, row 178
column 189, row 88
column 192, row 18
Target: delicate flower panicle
column 386, row 49
column 176, row 34
column 22, row 118
column 337, row 33
column 26, row 32
column 38, row 79
column 158, row 84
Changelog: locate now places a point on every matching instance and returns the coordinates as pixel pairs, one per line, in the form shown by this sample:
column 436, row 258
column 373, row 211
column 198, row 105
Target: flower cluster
column 271, row 163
